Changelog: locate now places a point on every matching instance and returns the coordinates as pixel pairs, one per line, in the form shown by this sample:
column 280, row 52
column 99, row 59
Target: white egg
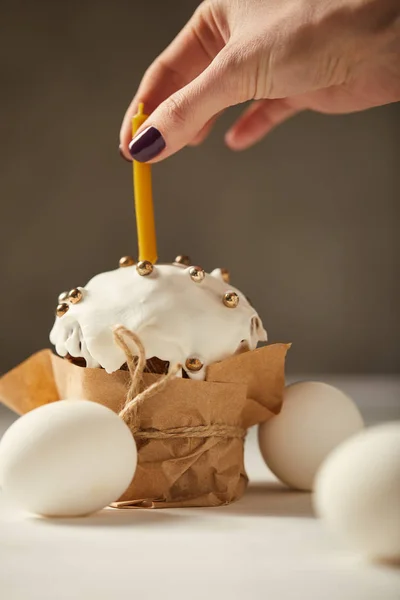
column 68, row 458
column 315, row 418
column 357, row 492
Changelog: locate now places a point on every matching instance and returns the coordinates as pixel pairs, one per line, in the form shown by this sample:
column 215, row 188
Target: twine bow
column 134, row 398
column 136, row 365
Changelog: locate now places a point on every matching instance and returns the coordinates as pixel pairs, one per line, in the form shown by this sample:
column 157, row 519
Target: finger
column 181, row 116
column 257, row 121
column 184, row 59
column 204, row 132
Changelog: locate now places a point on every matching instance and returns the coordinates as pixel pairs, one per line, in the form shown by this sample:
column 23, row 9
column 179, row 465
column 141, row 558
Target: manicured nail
column 147, row 145
column 122, row 155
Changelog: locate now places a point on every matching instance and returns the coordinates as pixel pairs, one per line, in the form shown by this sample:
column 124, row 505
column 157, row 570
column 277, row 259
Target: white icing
column 174, row 317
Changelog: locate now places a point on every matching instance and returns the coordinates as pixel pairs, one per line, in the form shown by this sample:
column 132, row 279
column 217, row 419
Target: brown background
column 307, row 221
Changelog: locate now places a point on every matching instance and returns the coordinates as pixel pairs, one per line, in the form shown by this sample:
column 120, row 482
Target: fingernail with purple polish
column 122, row 155
column 147, row 145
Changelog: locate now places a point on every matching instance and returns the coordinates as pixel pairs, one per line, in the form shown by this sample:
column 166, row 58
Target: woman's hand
column 332, row 56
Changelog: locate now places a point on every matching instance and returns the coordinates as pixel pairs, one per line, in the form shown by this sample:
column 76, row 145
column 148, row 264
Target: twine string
column 134, row 399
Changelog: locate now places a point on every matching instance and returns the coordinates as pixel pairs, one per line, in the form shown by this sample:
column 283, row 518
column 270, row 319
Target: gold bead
column 197, row 274
column 62, row 309
column 75, row 296
column 231, row 299
column 144, row 268
column 225, row 275
column 182, row 260
column 63, row 297
column 193, row 364
column 126, row 261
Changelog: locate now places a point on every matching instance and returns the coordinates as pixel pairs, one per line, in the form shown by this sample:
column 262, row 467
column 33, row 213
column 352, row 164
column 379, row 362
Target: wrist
column 367, row 26
column 351, row 33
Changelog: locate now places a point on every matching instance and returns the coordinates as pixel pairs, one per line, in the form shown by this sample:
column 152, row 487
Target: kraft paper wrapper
column 239, row 392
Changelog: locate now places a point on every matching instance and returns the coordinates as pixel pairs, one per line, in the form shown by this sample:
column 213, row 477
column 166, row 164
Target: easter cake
column 173, row 350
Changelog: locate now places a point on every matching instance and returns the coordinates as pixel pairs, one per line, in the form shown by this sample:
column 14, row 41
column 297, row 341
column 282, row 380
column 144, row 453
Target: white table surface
column 266, row 546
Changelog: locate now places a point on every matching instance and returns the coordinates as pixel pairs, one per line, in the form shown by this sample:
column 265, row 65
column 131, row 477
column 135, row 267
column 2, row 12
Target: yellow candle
column 142, row 187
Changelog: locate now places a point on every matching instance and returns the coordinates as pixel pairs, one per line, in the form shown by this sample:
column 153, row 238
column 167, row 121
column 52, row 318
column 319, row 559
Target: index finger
column 183, row 60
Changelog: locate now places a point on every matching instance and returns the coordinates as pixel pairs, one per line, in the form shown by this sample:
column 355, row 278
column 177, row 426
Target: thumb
column 178, row 119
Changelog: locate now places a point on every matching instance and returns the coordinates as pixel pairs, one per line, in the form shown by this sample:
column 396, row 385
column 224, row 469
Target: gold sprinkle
column 230, row 299
column 193, row 364
column 182, row 260
column 225, row 275
column 197, row 274
column 62, row 309
column 144, row 268
column 63, row 297
column 75, row 296
column 126, row 261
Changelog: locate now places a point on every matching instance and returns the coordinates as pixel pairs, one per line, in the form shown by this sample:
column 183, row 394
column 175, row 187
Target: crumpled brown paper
column 239, row 392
